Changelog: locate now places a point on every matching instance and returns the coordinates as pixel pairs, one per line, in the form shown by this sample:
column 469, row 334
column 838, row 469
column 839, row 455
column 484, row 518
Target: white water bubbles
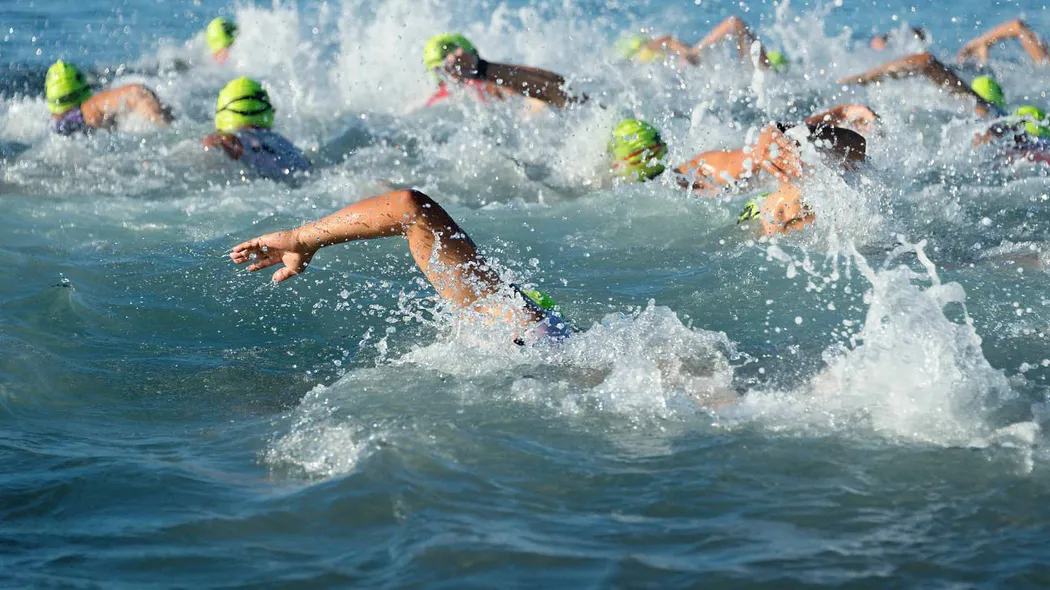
column 915, row 372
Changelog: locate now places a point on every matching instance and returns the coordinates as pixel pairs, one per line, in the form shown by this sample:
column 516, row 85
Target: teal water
column 859, row 405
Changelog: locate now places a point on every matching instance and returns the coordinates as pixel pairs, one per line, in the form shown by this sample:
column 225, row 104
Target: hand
column 777, row 154
column 276, row 248
column 462, row 64
column 974, row 50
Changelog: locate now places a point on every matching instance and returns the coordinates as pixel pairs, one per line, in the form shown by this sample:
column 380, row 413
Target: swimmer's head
column 629, row 45
column 220, row 34
column 66, row 87
column 777, row 61
column 987, row 88
column 440, row 46
column 243, row 103
column 541, row 299
column 637, row 150
column 753, row 208
column 1035, row 120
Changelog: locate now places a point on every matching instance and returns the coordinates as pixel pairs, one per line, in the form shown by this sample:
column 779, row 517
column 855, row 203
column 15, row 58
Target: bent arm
column 1015, row 29
column 523, row 80
column 734, row 29
column 671, row 44
column 102, row 109
column 443, row 251
column 772, row 151
column 924, row 65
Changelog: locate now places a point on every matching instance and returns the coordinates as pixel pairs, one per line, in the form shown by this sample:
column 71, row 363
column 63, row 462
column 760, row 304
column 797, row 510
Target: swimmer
column 243, row 122
column 1022, row 136
column 1025, row 136
column 643, row 49
column 220, row 34
column 443, row 251
column 637, row 151
column 76, row 109
column 986, row 95
column 452, row 58
column 977, row 49
column 880, row 42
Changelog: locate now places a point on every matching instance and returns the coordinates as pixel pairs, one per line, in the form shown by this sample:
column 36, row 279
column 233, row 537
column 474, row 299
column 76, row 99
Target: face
column 878, row 42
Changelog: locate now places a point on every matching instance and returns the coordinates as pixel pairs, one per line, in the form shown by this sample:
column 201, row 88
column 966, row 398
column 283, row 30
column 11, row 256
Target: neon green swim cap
column 439, row 46
column 220, row 34
column 65, row 87
column 637, row 149
column 753, row 208
column 541, row 299
column 987, row 88
column 243, row 103
column 1036, row 120
column 777, row 61
column 629, row 45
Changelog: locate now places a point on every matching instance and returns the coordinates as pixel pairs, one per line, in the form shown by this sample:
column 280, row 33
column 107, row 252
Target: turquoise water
column 859, row 405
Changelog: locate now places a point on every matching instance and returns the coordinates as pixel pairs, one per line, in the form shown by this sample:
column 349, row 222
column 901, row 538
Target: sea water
column 860, row 404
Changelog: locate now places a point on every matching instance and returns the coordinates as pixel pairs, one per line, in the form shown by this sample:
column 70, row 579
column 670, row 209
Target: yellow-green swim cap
column 541, row 299
column 1036, row 120
column 987, row 88
column 777, row 61
column 637, row 149
column 636, row 47
column 243, row 103
column 65, row 87
column 220, row 34
column 439, row 46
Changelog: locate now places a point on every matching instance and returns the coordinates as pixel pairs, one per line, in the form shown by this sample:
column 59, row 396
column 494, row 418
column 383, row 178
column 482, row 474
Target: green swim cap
column 987, row 88
column 541, row 299
column 637, row 149
column 221, row 32
column 1037, row 118
column 753, row 208
column 629, row 45
column 777, row 61
column 439, row 46
column 243, row 103
column 65, row 87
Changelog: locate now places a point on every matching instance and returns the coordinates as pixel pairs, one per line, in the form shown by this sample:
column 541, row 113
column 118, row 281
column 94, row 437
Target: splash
column 911, row 373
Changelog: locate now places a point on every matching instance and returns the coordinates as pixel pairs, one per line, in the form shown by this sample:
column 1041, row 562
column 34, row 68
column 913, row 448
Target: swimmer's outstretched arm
column 735, row 29
column 102, row 109
column 857, row 117
column 927, row 66
column 1016, row 29
column 878, row 42
column 772, row 151
column 671, row 44
column 443, row 251
column 526, row 81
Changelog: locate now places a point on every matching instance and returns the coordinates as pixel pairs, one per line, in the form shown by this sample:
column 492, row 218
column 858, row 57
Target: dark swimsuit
column 72, row 122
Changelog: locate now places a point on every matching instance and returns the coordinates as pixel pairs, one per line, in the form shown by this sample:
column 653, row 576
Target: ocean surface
column 862, row 404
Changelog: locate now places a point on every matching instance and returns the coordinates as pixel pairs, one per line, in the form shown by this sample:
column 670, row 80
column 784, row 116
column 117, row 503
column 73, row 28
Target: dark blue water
column 857, row 405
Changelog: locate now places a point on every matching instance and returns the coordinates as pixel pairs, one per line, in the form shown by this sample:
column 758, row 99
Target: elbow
column 735, row 23
column 416, row 203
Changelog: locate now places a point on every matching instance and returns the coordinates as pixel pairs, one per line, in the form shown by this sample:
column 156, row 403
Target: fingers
column 284, row 273
column 777, row 173
column 264, row 261
column 244, row 251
